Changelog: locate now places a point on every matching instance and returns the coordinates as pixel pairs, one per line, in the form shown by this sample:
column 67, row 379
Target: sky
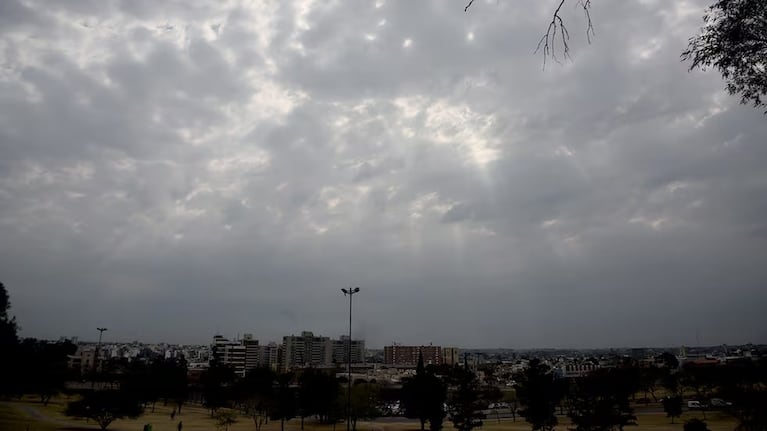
column 173, row 170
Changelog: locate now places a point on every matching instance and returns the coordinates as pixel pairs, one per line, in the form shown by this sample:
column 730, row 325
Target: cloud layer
column 172, row 170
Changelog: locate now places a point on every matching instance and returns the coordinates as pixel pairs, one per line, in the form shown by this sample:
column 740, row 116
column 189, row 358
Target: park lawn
column 196, row 418
column 11, row 419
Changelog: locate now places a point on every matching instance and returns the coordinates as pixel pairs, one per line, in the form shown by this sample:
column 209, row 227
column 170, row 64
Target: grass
column 29, row 414
column 12, row 419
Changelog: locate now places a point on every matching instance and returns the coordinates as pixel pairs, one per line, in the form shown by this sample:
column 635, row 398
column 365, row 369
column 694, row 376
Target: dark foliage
column 466, row 402
column 744, row 385
column 672, row 406
column 539, row 394
column 105, row 407
column 734, row 41
column 8, row 345
column 318, row 395
column 423, row 396
column 695, row 425
column 601, row 400
column 43, row 367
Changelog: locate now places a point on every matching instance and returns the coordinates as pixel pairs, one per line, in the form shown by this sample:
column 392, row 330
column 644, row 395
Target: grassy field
column 29, row 415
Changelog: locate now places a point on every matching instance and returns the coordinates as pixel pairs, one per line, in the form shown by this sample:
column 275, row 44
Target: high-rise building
column 306, row 350
column 229, row 353
column 341, row 350
column 268, row 356
column 251, row 352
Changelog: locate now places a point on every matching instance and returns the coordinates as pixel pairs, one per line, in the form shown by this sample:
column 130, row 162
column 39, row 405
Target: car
column 718, row 402
column 696, row 405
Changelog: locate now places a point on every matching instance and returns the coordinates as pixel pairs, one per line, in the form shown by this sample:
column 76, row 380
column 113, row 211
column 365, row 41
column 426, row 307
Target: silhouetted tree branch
column 734, row 41
column 557, row 31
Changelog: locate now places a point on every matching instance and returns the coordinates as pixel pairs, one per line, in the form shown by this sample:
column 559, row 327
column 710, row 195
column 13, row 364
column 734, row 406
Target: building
column 251, row 351
column 229, row 353
column 567, row 371
column 306, row 350
column 269, row 356
column 451, row 355
column 341, row 350
column 408, row 355
column 87, row 359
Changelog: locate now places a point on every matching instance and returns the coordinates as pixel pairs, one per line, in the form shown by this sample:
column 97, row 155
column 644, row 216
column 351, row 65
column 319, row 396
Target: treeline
column 602, row 400
column 30, row 366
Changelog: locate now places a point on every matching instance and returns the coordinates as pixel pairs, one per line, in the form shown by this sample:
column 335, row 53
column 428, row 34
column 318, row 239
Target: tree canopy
column 733, row 40
column 105, row 407
column 539, row 394
column 423, row 396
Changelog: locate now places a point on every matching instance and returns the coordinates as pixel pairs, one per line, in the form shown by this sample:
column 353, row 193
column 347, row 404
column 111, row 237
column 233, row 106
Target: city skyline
column 171, row 171
column 206, row 341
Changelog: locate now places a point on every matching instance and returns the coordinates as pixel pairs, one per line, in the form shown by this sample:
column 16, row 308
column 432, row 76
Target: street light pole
column 98, row 350
column 350, row 292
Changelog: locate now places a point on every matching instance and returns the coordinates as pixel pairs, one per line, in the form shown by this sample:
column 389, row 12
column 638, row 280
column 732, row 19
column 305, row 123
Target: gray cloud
column 173, row 170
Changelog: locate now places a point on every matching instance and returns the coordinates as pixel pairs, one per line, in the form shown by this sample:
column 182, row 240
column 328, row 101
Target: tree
column 668, row 360
column 215, row 382
column 8, row 325
column 649, row 377
column 140, row 382
column 695, row 425
column 225, row 419
column 672, row 406
column 703, row 380
column 364, row 402
column 601, row 400
column 511, row 398
column 745, row 386
column 43, row 367
column 318, row 394
column 423, row 396
column 538, row 392
column 733, row 40
column 104, row 407
column 9, row 381
column 255, row 394
column 284, row 401
column 670, row 382
column 465, row 402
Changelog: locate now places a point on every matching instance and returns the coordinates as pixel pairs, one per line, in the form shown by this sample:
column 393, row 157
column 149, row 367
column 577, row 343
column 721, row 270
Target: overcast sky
column 173, row 170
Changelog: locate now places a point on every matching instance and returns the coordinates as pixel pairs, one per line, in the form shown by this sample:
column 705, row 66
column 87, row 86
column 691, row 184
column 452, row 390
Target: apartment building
column 341, row 350
column 229, row 353
column 306, row 350
column 408, row 355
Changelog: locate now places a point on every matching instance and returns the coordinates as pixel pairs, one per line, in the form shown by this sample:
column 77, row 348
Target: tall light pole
column 96, row 357
column 98, row 348
column 350, row 293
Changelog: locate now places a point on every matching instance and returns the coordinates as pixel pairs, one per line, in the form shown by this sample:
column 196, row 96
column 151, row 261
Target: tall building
column 341, row 350
column 408, row 355
column 306, row 350
column 251, row 352
column 268, row 356
column 229, row 353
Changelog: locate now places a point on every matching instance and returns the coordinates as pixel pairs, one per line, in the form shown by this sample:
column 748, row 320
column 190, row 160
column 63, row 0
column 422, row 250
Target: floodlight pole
column 98, row 350
column 350, row 292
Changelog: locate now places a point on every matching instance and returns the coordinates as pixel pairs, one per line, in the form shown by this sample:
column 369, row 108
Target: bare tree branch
column 557, row 32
